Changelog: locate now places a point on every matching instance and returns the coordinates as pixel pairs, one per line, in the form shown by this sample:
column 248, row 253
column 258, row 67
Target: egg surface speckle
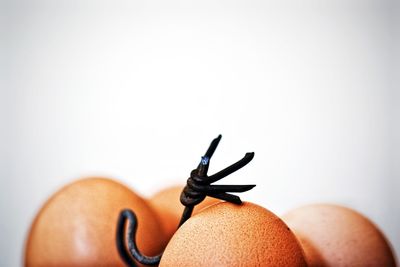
column 337, row 236
column 226, row 234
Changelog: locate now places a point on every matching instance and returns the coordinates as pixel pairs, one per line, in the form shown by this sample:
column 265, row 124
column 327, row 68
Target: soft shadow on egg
column 336, row 236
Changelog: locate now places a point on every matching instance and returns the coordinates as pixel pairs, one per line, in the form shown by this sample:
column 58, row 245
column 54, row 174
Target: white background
column 137, row 90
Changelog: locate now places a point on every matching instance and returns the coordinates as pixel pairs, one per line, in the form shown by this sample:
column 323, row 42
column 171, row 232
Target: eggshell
column 226, row 234
column 169, row 208
column 337, row 236
column 77, row 225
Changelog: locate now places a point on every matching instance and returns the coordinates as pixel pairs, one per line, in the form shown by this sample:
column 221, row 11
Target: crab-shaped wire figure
column 197, row 188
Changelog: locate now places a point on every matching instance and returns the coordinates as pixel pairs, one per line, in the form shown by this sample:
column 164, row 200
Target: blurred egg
column 77, row 225
column 169, row 208
column 337, row 236
column 226, row 234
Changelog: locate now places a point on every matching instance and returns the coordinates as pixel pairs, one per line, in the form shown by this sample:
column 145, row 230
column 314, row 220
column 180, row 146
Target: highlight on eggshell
column 77, row 225
column 169, row 208
column 226, row 234
column 333, row 235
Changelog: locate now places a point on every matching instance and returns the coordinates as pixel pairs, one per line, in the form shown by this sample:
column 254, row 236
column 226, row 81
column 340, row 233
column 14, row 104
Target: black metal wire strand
column 128, row 215
column 197, row 188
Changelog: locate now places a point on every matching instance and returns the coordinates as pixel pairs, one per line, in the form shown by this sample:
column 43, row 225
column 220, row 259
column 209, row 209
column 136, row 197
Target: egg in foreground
column 226, row 234
column 337, row 236
column 77, row 225
column 169, row 208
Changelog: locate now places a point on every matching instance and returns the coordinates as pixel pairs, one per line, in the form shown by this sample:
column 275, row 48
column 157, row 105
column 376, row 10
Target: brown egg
column 169, row 208
column 337, row 236
column 226, row 234
column 77, row 225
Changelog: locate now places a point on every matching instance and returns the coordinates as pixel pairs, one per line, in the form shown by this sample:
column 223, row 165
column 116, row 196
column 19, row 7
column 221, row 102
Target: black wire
column 197, row 188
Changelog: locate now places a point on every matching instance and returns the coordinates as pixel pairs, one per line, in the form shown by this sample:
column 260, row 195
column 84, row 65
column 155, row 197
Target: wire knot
column 198, row 185
column 190, row 195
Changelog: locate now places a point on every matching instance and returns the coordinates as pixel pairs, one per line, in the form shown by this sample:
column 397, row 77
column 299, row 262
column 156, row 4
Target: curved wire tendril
column 198, row 186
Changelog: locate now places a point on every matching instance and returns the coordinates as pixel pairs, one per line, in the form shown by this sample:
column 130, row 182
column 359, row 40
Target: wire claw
column 197, row 188
column 199, row 183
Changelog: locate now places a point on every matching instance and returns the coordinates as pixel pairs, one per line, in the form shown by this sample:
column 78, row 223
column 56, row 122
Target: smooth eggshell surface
column 77, row 225
column 337, row 236
column 226, row 234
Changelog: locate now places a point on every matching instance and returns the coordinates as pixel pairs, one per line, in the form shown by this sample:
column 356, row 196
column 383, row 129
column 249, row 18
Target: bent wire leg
column 121, row 239
column 227, row 197
column 213, row 146
column 231, row 169
column 219, row 188
column 128, row 215
column 187, row 212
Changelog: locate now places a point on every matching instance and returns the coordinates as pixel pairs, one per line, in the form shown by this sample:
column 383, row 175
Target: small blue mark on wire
column 205, row 160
